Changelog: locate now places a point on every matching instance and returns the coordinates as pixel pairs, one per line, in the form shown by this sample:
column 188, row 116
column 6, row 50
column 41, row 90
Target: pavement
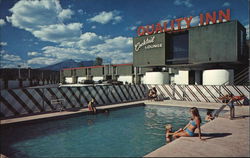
column 223, row 138
column 64, row 113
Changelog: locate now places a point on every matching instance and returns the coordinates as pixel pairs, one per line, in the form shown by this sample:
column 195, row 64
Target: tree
column 98, row 61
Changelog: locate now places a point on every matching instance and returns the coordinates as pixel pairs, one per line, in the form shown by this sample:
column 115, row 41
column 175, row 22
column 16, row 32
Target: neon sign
column 170, row 27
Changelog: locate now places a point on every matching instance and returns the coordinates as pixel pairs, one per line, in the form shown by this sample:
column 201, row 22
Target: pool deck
column 223, row 137
column 187, row 104
column 64, row 113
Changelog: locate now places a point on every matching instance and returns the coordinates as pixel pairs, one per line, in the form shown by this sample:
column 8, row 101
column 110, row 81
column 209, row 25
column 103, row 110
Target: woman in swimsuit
column 188, row 130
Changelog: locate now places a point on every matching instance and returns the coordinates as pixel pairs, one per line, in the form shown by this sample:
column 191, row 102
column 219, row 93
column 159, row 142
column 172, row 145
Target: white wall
column 142, row 79
column 181, row 77
column 97, row 78
column 68, row 80
column 81, row 79
column 156, row 78
column 218, row 77
column 124, row 79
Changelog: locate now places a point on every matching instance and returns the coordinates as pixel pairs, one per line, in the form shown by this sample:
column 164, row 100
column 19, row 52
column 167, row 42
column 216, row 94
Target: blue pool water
column 130, row 132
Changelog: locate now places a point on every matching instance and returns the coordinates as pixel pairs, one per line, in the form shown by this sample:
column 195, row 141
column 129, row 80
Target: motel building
column 215, row 52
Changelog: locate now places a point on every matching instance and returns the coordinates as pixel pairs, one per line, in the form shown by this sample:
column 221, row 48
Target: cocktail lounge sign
column 170, row 27
column 148, row 43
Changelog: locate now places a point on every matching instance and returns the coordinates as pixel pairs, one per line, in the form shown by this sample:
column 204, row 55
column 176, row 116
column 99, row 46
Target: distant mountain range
column 68, row 64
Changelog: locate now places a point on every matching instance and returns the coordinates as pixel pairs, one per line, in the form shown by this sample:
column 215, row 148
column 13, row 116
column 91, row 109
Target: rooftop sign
column 170, row 27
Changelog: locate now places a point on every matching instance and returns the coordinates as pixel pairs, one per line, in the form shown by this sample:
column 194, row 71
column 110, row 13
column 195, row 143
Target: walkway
column 223, row 138
column 65, row 113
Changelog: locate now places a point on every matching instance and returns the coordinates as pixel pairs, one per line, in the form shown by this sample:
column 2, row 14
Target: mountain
column 70, row 63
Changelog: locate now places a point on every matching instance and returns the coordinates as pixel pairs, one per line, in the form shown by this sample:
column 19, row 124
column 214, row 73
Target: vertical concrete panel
column 13, row 84
column 4, row 109
column 1, row 84
column 15, row 103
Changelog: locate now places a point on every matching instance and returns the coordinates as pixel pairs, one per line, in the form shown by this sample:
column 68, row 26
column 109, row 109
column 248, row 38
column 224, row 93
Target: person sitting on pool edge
column 189, row 129
column 91, row 106
column 152, row 94
column 168, row 132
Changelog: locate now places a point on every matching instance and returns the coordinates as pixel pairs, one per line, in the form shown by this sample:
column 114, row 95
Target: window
column 179, row 46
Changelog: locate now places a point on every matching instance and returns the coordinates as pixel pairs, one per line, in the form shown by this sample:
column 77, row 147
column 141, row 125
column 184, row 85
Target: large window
column 178, row 47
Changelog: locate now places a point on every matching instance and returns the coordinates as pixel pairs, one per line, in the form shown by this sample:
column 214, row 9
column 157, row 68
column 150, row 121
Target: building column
column 198, row 76
column 20, row 83
column 5, row 81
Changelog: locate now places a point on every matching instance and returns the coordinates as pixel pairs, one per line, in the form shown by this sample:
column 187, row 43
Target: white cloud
column 85, row 41
column 59, row 32
column 133, row 28
column 42, row 61
column 89, row 46
column 93, row 27
column 30, row 15
column 119, row 43
column 11, row 57
column 90, row 39
column 138, row 23
column 195, row 21
column 167, row 19
column 44, row 19
column 3, row 44
column 186, row 3
column 65, row 14
column 9, row 60
column 106, row 17
column 2, row 22
column 80, row 11
column 226, row 4
column 33, row 53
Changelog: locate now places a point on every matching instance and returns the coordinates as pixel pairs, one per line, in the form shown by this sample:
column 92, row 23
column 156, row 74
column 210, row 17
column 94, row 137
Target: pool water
column 127, row 132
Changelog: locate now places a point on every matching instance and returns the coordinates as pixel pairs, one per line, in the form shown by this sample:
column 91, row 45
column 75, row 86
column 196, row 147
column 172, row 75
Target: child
column 91, row 106
column 169, row 132
column 209, row 116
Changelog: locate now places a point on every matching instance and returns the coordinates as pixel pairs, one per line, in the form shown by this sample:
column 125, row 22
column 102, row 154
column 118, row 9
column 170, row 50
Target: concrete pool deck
column 224, row 137
column 64, row 113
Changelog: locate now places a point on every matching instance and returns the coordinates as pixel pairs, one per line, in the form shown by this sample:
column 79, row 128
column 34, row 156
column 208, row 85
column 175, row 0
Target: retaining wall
column 18, row 102
column 15, row 102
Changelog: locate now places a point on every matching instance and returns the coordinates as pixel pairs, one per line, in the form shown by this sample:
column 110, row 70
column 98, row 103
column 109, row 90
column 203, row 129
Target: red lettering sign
column 170, row 26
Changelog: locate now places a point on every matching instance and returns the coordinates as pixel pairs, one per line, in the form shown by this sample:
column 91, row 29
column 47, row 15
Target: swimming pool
column 127, row 132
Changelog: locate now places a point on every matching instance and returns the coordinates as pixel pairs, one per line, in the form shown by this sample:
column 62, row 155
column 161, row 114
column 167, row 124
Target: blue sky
column 39, row 33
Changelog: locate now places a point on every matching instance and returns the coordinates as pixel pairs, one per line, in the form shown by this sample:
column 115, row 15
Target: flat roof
column 96, row 66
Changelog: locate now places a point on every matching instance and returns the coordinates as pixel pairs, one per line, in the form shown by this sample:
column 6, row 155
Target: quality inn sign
column 170, row 27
